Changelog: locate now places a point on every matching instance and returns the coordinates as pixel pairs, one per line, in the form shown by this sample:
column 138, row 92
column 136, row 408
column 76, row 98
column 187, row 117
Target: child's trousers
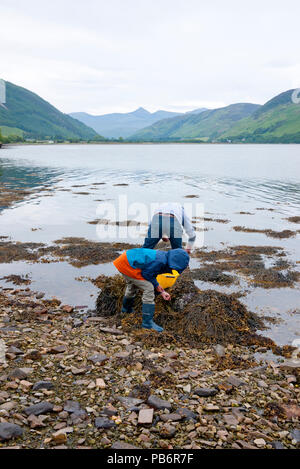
column 133, row 285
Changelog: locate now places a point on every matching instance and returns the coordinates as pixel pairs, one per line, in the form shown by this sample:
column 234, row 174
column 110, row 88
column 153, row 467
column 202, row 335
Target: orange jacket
column 123, row 266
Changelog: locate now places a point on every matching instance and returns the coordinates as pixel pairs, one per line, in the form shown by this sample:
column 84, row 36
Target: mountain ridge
column 37, row 118
column 277, row 121
column 205, row 126
column 115, row 125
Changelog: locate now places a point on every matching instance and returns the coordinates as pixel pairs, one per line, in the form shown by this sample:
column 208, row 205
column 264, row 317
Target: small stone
column 100, row 383
column 129, row 402
column 8, row 406
column 43, row 385
column 205, row 392
column 230, row 419
column 171, row 417
column 145, row 416
column 187, row 388
column 25, row 385
column 187, row 414
column 158, row 403
column 172, row 354
column 103, row 422
column 72, row 406
column 35, row 422
column 59, row 437
column 167, row 431
column 235, row 382
column 98, row 359
column 212, row 408
column 105, row 441
column 33, row 355
column 277, row 445
column 40, row 408
column 260, row 442
column 9, row 431
column 246, row 445
column 295, row 434
column 110, row 411
column 122, row 354
column 78, row 371
column 111, row 331
column 17, row 373
column 57, row 349
column 219, row 350
column 14, row 350
column 290, row 410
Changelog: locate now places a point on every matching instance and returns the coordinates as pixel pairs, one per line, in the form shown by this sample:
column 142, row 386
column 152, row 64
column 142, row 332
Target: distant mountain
column 206, row 125
column 125, row 124
column 121, row 124
column 26, row 111
column 277, row 121
column 197, row 111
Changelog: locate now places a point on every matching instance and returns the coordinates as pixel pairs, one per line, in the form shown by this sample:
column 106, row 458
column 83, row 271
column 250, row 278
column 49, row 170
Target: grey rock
column 98, row 358
column 167, row 431
column 295, row 434
column 103, row 422
column 43, row 385
column 187, row 414
column 17, row 373
column 219, row 350
column 78, row 416
column 130, row 402
column 234, row 381
column 72, row 406
column 158, row 403
column 205, row 392
column 171, row 417
column 14, row 350
column 41, row 408
column 9, row 431
column 277, row 445
column 109, row 411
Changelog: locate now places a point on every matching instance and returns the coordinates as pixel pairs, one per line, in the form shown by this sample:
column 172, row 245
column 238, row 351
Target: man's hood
column 178, row 259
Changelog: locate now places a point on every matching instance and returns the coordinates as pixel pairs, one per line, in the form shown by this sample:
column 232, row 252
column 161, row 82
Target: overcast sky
column 102, row 56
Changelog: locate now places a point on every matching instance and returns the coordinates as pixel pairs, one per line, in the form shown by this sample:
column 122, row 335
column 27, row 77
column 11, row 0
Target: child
column 167, row 224
column 140, row 268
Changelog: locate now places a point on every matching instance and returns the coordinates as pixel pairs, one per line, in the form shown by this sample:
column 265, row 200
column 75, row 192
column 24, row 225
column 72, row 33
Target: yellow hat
column 167, row 280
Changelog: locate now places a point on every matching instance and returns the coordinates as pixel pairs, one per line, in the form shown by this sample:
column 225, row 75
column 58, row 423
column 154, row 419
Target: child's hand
column 166, row 296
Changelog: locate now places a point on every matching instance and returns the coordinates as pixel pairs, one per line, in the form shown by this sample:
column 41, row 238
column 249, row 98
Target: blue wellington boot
column 127, row 305
column 148, row 313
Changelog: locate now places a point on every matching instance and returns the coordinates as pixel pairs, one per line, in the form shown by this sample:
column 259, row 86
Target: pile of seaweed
column 193, row 316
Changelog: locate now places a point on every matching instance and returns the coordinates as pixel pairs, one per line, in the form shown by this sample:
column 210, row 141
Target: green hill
column 38, row 119
column 277, row 121
column 206, row 126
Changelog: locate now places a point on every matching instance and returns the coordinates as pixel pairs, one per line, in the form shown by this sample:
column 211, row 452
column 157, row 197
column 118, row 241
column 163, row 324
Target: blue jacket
column 153, row 263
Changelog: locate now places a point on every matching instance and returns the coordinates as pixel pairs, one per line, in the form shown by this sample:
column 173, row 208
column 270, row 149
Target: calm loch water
column 74, row 184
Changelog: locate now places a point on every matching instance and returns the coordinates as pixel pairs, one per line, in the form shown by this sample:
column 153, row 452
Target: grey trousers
column 133, row 285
